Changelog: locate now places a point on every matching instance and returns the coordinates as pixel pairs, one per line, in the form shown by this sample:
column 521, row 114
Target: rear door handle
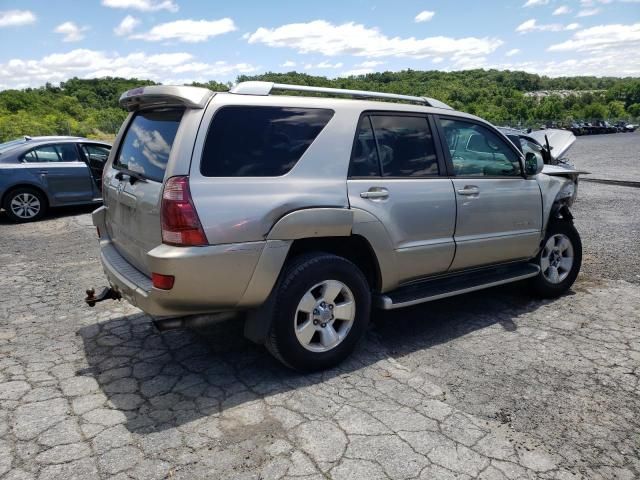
column 374, row 193
column 469, row 190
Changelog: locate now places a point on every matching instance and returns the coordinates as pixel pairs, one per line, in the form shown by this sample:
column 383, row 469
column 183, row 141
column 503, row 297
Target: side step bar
column 450, row 285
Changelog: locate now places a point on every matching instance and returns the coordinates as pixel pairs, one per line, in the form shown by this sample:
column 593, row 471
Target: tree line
column 89, row 107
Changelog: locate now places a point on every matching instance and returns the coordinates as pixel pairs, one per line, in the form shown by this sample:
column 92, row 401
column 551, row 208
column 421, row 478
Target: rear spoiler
column 165, row 95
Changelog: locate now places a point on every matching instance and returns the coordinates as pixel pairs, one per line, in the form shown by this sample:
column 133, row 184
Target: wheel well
column 25, row 185
column 354, row 248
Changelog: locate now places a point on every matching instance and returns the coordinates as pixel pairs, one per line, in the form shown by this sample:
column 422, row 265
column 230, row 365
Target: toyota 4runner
column 307, row 211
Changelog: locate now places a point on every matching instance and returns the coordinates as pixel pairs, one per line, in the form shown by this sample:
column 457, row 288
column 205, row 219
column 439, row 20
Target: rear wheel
column 25, row 205
column 322, row 310
column 559, row 260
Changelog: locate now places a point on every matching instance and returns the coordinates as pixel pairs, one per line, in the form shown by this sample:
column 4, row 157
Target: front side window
column 477, row 151
column 148, row 141
column 405, row 146
column 65, row 152
column 259, row 141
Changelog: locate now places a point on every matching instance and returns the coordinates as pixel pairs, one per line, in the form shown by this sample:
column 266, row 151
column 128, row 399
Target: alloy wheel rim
column 556, row 260
column 25, row 205
column 324, row 316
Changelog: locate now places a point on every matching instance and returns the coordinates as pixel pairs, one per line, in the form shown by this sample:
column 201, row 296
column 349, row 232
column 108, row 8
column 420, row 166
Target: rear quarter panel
column 241, row 209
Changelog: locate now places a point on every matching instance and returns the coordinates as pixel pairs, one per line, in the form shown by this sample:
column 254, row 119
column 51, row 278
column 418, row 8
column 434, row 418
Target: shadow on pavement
column 56, row 212
column 163, row 380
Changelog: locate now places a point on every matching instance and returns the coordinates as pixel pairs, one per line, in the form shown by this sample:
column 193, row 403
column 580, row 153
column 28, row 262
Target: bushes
column 90, row 107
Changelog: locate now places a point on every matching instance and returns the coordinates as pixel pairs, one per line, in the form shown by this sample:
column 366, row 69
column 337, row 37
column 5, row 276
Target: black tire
column 16, row 194
column 544, row 288
column 300, row 276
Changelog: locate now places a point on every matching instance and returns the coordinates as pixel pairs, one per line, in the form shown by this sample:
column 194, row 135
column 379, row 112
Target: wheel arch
column 31, row 186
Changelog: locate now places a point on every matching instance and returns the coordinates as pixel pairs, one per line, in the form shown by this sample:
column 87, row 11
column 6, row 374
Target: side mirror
column 533, row 164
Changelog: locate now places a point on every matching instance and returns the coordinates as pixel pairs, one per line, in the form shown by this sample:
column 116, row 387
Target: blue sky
column 178, row 41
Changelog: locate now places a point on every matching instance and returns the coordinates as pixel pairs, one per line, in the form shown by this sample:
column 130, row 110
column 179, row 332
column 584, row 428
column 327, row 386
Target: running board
column 450, row 285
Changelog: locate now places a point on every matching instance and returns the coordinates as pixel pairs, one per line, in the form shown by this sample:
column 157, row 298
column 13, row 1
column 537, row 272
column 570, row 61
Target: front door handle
column 43, row 172
column 469, row 190
column 375, row 193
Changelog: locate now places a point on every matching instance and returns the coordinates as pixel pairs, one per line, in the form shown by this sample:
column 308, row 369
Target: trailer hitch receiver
column 107, row 293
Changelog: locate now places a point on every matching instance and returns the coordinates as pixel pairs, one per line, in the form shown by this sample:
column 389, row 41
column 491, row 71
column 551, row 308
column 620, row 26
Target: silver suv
column 306, row 211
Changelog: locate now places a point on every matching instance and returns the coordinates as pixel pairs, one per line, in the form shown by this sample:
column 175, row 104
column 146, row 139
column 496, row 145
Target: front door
column 395, row 176
column 499, row 210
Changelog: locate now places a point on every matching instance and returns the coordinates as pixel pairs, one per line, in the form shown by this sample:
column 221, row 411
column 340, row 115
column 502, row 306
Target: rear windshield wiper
column 133, row 176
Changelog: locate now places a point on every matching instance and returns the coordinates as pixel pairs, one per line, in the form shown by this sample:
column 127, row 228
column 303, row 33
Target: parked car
column 42, row 172
column 626, row 127
column 307, row 211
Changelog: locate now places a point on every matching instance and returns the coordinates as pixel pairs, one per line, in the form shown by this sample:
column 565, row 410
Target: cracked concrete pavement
column 491, row 385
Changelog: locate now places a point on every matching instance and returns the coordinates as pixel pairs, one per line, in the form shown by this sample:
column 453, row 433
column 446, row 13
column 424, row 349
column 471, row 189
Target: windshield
column 11, row 144
column 147, row 144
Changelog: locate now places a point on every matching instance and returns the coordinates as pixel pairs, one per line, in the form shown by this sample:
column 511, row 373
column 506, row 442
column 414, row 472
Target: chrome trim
column 385, row 303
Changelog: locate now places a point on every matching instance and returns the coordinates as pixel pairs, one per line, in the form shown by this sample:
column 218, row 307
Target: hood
column 559, row 140
column 557, row 170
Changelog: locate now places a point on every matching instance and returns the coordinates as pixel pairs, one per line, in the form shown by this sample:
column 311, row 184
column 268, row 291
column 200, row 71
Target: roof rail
column 265, row 88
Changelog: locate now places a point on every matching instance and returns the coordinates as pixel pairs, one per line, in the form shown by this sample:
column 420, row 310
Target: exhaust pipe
column 192, row 321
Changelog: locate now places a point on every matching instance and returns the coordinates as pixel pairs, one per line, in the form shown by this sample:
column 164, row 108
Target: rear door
column 66, row 177
column 96, row 156
column 395, row 175
column 499, row 210
column 133, row 183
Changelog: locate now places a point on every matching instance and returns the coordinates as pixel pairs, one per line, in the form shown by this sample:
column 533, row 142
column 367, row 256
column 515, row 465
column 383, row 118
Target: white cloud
column 535, row 3
column 142, row 5
column 532, row 25
column 323, row 65
column 588, row 12
column 437, row 60
column 512, row 52
column 15, row 18
column 85, row 63
column 126, row 26
column 604, row 38
column 572, row 26
column 289, row 64
column 190, row 31
column 71, row 31
column 370, row 64
column 616, row 64
column 563, row 10
column 320, row 36
column 424, row 16
column 356, row 72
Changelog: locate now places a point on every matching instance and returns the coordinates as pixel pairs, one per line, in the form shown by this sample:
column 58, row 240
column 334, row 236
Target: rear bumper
column 207, row 279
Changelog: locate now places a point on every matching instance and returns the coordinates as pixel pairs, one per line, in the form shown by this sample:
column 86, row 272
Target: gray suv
column 41, row 172
column 307, row 211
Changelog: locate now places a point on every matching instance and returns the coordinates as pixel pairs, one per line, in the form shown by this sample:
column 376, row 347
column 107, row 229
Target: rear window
column 148, row 141
column 259, row 141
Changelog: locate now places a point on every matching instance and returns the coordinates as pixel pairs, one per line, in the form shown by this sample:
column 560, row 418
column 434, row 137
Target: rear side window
column 148, row 141
column 405, row 146
column 393, row 146
column 65, row 152
column 259, row 141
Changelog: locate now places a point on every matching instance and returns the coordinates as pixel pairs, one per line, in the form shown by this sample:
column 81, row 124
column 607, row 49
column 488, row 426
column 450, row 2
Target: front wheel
column 559, row 260
column 322, row 309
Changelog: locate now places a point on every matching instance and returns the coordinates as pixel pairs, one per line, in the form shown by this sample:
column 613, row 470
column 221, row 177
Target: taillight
column 180, row 223
column 163, row 282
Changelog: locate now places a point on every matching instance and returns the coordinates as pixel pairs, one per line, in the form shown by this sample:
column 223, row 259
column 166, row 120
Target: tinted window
column 147, row 144
column 65, row 152
column 364, row 157
column 405, row 146
column 477, row 151
column 259, row 141
column 96, row 154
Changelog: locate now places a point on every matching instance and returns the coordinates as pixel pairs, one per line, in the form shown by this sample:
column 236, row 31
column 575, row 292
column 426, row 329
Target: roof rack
column 265, row 88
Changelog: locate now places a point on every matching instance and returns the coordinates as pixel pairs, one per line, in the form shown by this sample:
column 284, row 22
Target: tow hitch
column 107, row 293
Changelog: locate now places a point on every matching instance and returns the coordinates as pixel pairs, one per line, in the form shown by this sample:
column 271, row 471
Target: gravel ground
column 490, row 385
column 613, row 156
